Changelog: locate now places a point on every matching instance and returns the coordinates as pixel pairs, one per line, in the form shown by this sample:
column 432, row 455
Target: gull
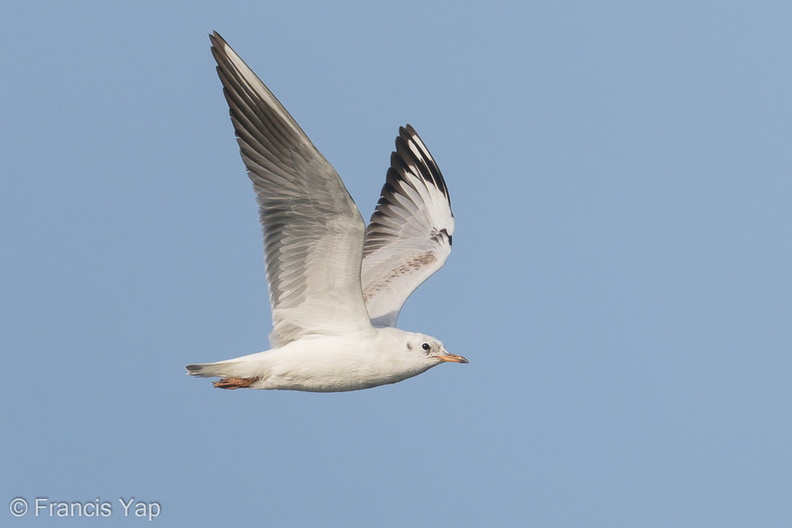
column 336, row 287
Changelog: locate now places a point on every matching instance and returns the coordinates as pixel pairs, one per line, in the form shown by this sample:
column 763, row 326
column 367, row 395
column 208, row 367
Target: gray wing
column 313, row 232
column 409, row 235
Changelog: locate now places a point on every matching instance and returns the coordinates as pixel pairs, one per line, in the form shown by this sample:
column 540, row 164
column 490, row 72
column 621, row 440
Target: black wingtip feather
column 407, row 135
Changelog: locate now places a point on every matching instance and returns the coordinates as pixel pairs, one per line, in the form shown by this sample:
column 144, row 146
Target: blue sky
column 620, row 280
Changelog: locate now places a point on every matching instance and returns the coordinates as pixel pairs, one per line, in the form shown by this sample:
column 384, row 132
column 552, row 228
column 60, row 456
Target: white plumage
column 336, row 287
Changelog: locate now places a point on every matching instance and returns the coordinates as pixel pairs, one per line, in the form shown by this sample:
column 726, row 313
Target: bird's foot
column 235, row 383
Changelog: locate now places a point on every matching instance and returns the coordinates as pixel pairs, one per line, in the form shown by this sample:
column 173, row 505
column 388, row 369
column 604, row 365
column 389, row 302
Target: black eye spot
column 425, row 346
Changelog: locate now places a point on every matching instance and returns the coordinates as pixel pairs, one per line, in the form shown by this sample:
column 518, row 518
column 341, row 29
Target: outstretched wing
column 409, row 235
column 313, row 232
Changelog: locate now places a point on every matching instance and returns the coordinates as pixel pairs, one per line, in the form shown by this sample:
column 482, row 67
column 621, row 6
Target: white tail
column 221, row 369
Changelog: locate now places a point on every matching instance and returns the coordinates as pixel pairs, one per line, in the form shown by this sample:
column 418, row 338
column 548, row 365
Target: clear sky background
column 621, row 175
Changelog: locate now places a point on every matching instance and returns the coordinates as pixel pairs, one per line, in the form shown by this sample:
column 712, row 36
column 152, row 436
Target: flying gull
column 336, row 286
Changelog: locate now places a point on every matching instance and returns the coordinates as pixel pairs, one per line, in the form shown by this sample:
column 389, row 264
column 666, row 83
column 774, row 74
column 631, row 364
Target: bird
column 336, row 286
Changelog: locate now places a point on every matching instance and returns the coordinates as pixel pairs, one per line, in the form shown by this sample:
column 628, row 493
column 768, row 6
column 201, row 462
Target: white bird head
column 428, row 348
